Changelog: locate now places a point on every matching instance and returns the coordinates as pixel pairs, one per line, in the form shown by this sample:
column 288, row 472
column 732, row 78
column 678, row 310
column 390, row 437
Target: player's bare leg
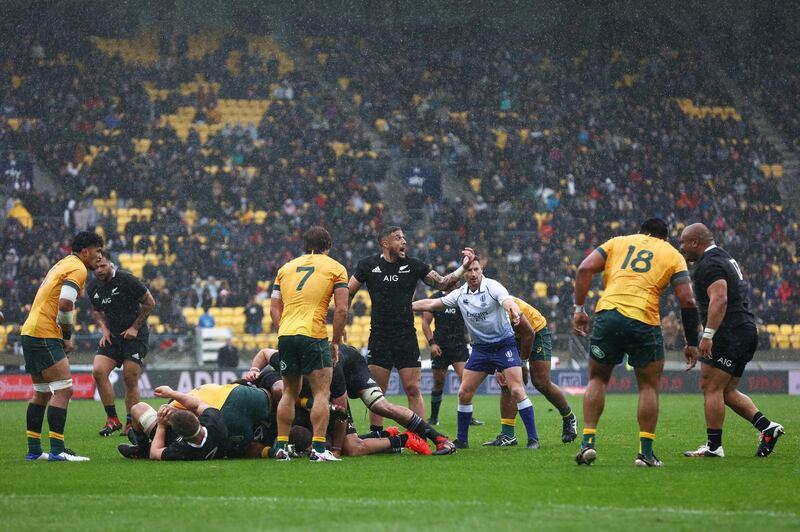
column 381, row 376
column 320, row 382
column 470, row 380
column 648, row 379
column 59, row 377
column 102, row 367
column 131, row 371
column 508, row 421
column 594, row 401
column 285, row 412
column 458, row 367
column 524, row 406
column 409, row 378
column 542, row 381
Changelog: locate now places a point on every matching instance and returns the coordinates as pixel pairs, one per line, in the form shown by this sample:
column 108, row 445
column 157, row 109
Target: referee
column 448, row 343
column 728, row 342
column 121, row 304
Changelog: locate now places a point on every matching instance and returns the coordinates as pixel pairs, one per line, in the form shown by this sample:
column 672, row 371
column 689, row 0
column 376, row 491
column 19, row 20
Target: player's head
column 655, row 227
column 393, row 242
column 86, row 246
column 105, row 267
column 474, row 274
column 317, row 239
column 185, row 424
column 695, row 238
column 300, row 437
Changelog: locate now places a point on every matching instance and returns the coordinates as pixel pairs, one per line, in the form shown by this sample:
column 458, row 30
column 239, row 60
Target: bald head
column 695, row 238
column 699, row 232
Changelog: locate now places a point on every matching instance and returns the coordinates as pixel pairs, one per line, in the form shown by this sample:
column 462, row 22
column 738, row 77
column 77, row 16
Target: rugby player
column 728, row 343
column 121, row 305
column 300, row 296
column 540, row 375
column 46, row 340
column 448, row 343
column 391, row 280
column 636, row 270
column 351, row 378
column 231, row 412
column 486, row 306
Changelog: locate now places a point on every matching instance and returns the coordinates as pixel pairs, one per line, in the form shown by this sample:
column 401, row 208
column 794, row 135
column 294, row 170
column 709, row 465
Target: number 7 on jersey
column 308, row 271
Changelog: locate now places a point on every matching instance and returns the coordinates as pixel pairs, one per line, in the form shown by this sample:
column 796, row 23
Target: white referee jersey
column 483, row 312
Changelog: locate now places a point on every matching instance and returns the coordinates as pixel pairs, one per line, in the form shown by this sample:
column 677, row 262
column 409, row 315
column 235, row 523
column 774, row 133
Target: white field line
column 418, row 503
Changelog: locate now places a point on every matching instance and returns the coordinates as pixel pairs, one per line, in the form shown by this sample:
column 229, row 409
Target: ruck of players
column 295, row 400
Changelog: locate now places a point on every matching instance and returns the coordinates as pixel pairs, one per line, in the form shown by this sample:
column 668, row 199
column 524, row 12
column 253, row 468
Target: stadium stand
column 202, row 164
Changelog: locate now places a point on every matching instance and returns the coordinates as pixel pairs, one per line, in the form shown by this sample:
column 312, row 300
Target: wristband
column 459, row 272
column 579, row 308
column 431, row 342
column 708, row 333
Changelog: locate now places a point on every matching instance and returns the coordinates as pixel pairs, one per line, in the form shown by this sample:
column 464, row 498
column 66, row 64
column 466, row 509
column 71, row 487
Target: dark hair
column 655, row 227
column 107, row 255
column 300, row 437
column 86, row 239
column 184, row 423
column 317, row 239
column 386, row 231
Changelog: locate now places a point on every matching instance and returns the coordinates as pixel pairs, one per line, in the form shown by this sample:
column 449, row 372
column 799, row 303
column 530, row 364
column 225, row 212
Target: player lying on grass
column 342, row 439
column 351, row 377
column 540, row 375
column 231, row 409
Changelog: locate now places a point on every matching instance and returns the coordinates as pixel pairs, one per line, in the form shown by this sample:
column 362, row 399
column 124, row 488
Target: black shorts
column 733, row 349
column 121, row 350
column 397, row 353
column 451, row 354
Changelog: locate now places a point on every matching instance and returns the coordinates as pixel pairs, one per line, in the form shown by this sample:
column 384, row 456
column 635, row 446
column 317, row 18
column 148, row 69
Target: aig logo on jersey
column 725, row 362
column 391, row 278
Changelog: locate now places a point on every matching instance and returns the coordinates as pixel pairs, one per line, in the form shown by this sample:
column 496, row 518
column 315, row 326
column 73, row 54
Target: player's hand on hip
column 705, row 347
column 334, row 354
column 106, row 339
column 436, row 351
column 580, row 324
column 690, row 355
column 130, row 333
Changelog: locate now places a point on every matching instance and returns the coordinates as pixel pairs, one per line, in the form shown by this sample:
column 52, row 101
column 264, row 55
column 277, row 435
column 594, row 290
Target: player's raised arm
column 259, row 362
column 594, row 263
column 447, row 282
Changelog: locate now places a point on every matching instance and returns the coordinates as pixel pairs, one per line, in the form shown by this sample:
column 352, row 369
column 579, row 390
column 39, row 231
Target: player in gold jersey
column 539, row 360
column 300, row 297
column 46, row 340
column 636, row 270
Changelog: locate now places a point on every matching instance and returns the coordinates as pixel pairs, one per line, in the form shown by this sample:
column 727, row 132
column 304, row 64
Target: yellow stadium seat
column 773, row 328
column 540, row 288
column 785, row 329
column 777, row 170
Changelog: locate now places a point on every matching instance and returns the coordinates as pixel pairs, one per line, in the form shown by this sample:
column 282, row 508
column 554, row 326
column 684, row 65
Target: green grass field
column 478, row 488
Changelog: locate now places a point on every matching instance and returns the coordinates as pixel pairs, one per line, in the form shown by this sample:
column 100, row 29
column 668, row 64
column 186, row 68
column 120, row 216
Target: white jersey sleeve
column 451, row 299
column 497, row 291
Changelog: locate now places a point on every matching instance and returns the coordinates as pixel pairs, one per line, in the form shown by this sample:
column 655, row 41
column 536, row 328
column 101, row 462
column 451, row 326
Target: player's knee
column 412, row 389
column 373, row 399
column 62, row 388
column 540, row 382
column 518, row 393
column 131, row 380
column 465, row 396
column 99, row 374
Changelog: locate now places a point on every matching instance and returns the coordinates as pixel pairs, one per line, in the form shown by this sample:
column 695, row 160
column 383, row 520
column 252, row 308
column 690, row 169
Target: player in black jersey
column 391, row 280
column 448, row 348
column 121, row 304
column 728, row 342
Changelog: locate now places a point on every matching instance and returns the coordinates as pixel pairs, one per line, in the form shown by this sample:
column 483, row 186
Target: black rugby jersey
column 118, row 300
column 716, row 264
column 449, row 329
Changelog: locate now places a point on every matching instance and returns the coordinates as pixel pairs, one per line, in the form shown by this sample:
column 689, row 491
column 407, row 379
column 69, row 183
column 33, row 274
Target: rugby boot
column 417, row 444
column 768, row 438
column 502, row 440
column 67, row 455
column 112, row 425
column 704, row 451
column 586, row 456
column 444, row 446
column 645, row 461
column 569, row 429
